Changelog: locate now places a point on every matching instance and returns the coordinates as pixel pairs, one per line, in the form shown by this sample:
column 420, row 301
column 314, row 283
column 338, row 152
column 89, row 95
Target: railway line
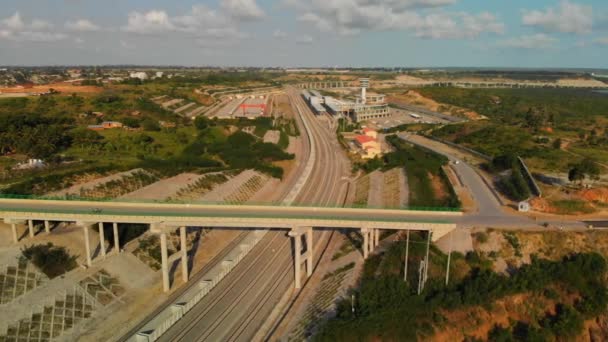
column 239, row 305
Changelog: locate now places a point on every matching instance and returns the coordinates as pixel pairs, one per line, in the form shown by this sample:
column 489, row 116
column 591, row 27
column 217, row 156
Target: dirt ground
column 90, row 182
column 164, row 188
column 415, row 98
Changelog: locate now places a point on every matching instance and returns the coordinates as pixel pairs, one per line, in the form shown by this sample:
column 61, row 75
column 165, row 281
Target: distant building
column 111, row 124
column 159, row 74
column 140, row 74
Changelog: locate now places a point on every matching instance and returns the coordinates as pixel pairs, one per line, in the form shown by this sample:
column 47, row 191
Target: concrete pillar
column 14, row 229
column 30, row 225
column 310, row 252
column 102, row 239
column 370, row 240
column 297, row 248
column 47, row 227
column 376, row 237
column 165, row 261
column 365, row 246
column 116, row 241
column 87, row 244
column 184, row 251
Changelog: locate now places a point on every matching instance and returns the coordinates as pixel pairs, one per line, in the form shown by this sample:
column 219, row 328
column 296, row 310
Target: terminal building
column 365, row 107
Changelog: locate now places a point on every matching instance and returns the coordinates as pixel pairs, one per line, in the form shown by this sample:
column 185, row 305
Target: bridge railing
column 32, row 213
column 265, row 204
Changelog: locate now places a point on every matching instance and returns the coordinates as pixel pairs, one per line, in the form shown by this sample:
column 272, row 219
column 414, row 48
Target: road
column 236, row 309
column 490, row 212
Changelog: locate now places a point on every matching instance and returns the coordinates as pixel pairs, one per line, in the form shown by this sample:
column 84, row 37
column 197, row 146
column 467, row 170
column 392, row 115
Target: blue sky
column 408, row 33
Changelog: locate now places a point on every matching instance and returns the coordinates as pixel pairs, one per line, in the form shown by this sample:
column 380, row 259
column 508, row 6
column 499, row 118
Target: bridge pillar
column 184, row 252
column 296, row 235
column 365, row 247
column 164, row 261
column 14, row 223
column 14, row 229
column 87, row 242
column 116, row 241
column 30, row 225
column 376, row 237
column 102, row 239
column 47, row 226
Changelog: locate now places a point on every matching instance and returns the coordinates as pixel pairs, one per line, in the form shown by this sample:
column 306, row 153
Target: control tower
column 364, row 82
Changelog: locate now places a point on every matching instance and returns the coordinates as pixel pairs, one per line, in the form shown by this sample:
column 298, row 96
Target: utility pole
column 447, row 270
column 428, row 247
column 407, row 252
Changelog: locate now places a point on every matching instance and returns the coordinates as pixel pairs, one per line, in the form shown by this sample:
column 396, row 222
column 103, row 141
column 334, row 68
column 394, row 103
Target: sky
column 308, row 33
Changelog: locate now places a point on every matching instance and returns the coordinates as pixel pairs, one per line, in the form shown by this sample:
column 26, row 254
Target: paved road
column 489, row 212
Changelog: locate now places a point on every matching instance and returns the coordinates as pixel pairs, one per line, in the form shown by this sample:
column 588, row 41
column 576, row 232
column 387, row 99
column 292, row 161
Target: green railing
column 268, row 204
column 87, row 211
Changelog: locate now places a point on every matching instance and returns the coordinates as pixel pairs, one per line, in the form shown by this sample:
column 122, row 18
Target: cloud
column 535, row 41
column 305, row 40
column 457, row 26
column 279, row 34
column 126, row 45
column 16, row 29
column 242, row 9
column 81, row 25
column 14, row 22
column 569, row 17
column 151, row 22
column 348, row 17
column 601, row 41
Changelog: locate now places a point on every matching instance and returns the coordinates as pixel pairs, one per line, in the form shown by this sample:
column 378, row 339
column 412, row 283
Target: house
column 370, row 133
column 364, row 141
column 111, row 124
column 95, row 127
column 371, row 152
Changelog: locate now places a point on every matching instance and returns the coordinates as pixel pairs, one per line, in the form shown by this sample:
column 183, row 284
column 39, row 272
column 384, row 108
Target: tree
column 150, row 125
column 201, row 123
column 85, row 137
column 576, row 174
column 557, row 143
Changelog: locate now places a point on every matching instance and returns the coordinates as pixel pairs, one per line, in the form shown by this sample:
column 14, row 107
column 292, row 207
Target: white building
column 140, row 74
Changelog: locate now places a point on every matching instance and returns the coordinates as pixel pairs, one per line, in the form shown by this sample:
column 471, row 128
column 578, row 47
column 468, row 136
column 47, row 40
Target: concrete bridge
column 164, row 218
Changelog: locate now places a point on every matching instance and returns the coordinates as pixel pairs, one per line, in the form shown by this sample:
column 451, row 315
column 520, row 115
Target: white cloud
column 349, row 17
column 535, row 41
column 14, row 22
column 41, row 25
column 81, row 25
column 151, row 22
column 457, row 26
column 305, row 40
column 569, row 17
column 279, row 34
column 15, row 29
column 242, row 9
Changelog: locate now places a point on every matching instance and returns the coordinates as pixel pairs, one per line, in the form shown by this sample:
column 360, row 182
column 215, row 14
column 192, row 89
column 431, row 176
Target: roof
column 367, row 130
column 362, row 139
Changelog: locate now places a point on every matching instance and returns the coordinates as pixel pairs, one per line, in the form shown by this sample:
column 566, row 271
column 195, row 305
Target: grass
column 570, row 207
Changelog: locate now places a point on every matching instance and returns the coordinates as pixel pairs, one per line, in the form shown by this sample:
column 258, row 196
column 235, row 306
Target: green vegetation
column 387, row 308
column 531, row 123
column 421, row 167
column 51, row 260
